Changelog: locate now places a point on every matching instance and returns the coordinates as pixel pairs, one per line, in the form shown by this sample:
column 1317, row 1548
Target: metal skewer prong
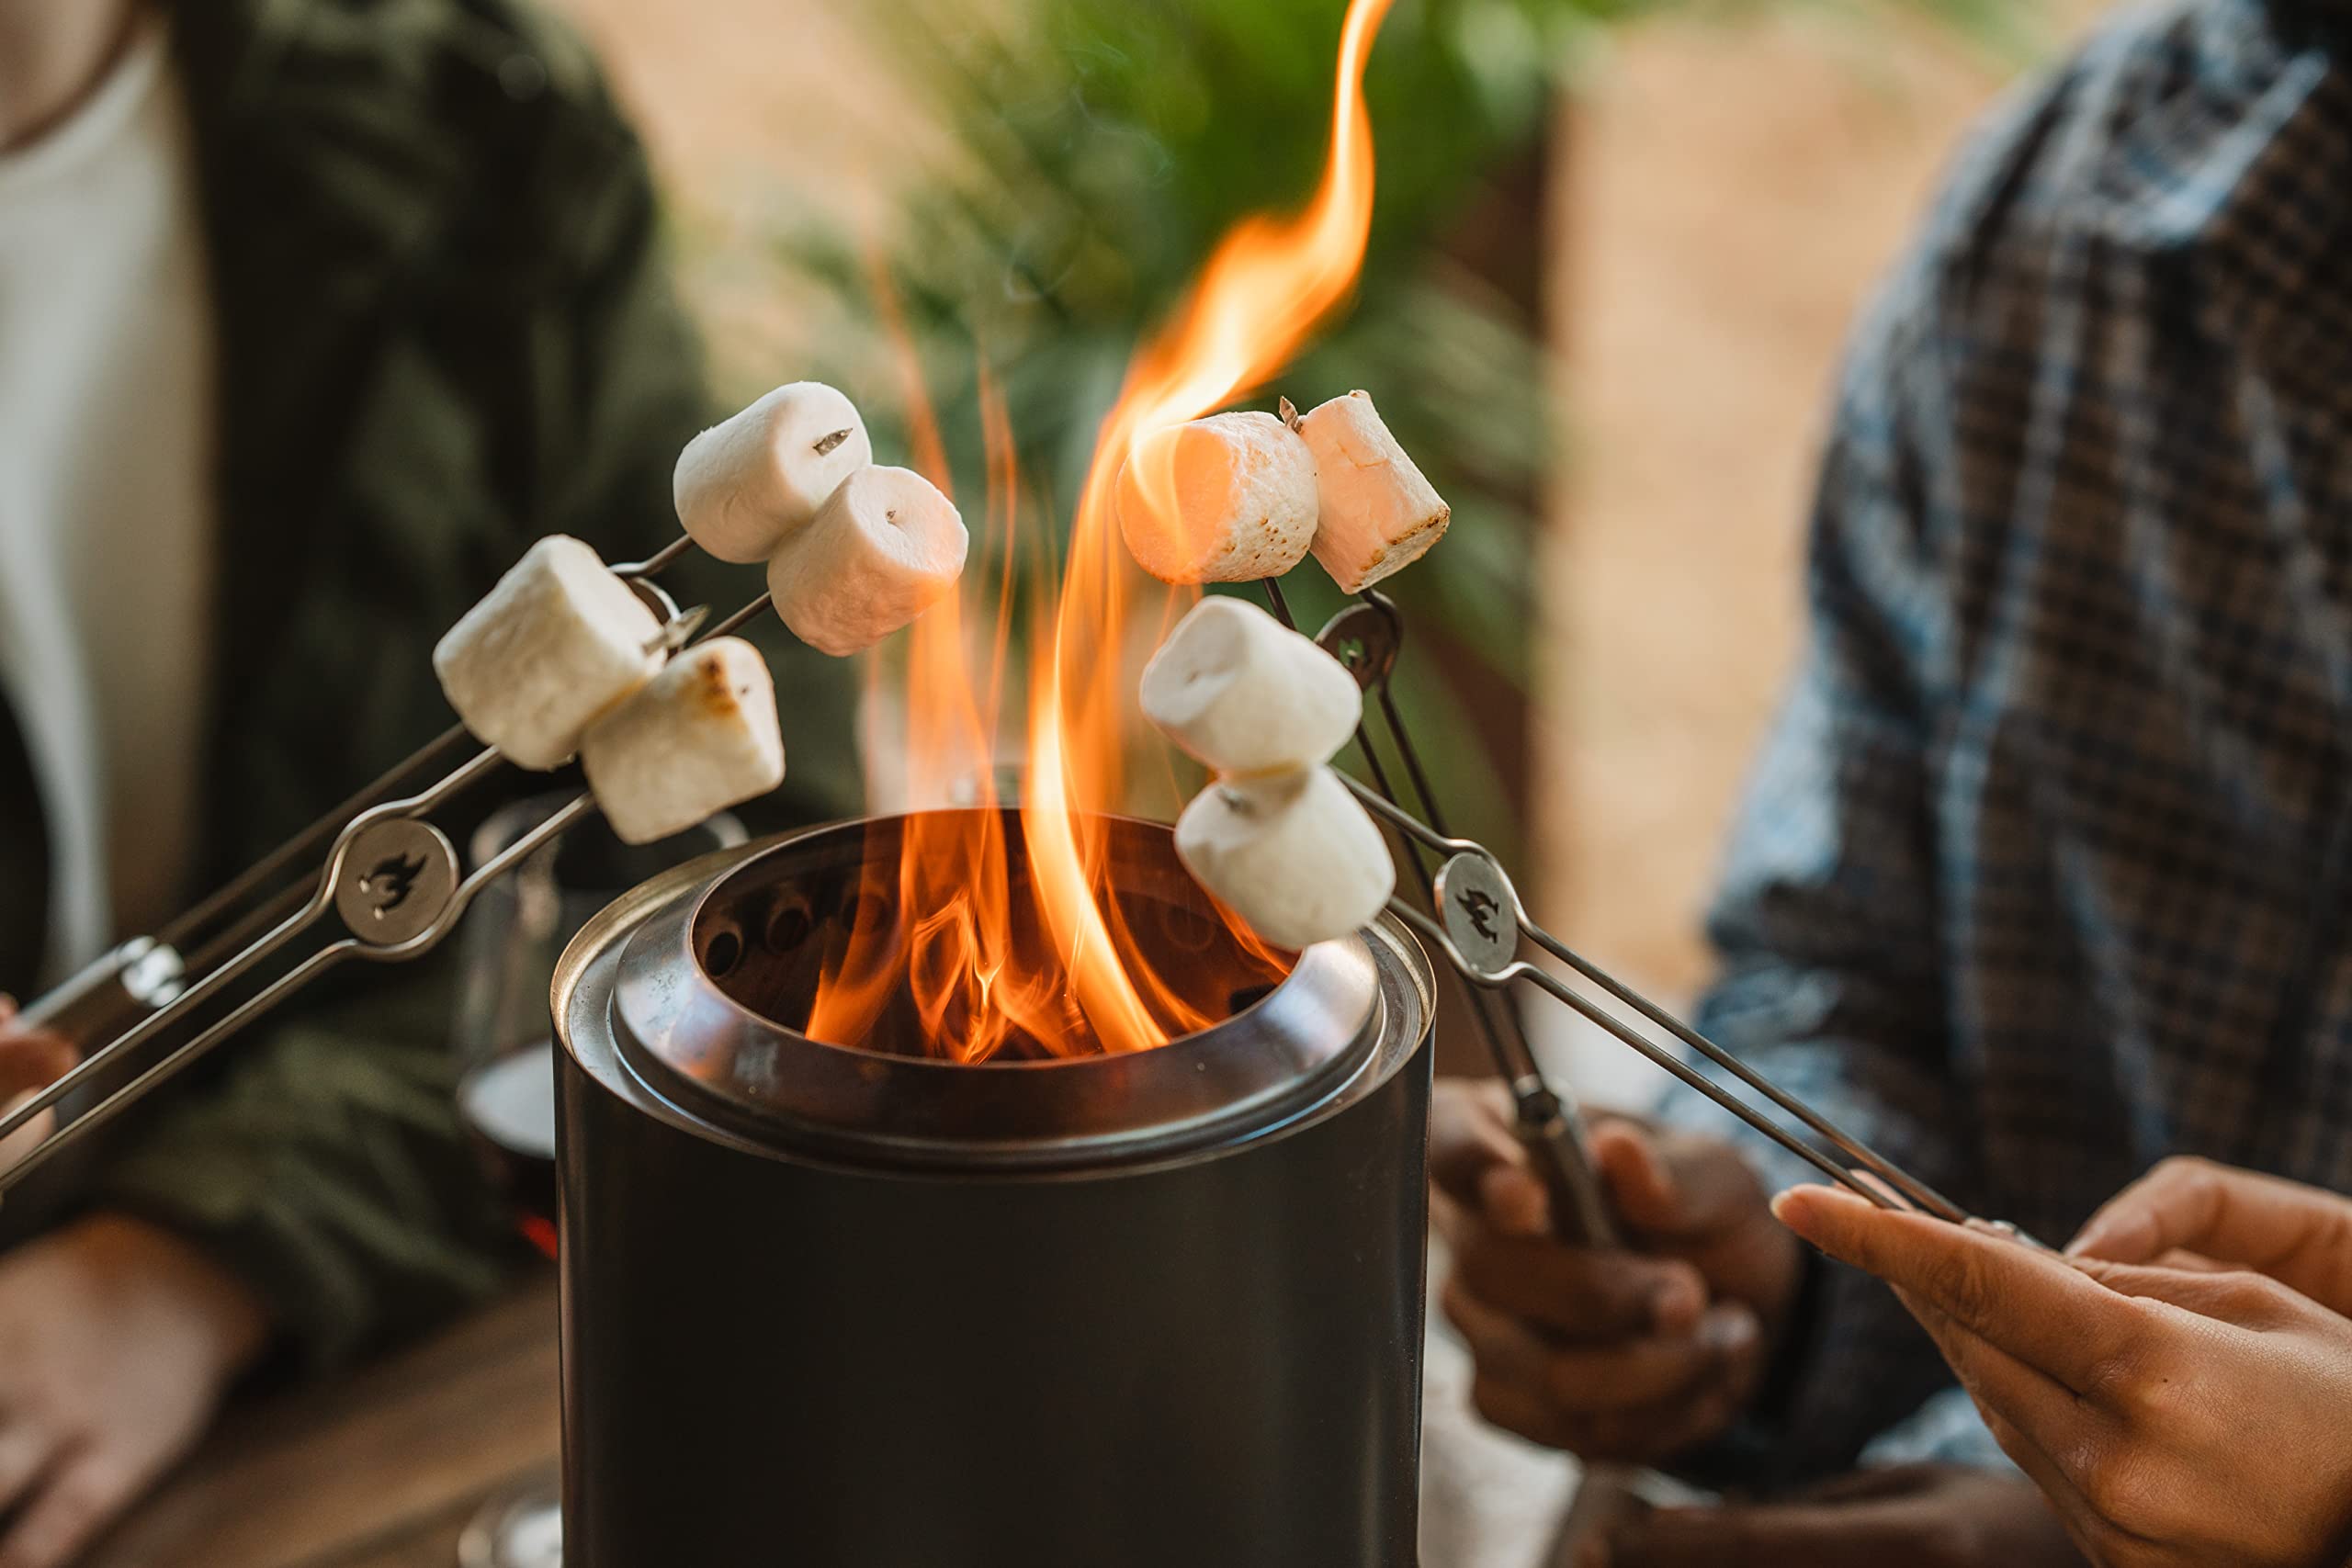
column 1366, row 637
column 392, row 877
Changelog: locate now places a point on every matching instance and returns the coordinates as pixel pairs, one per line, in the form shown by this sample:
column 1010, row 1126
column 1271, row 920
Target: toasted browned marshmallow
column 698, row 738
column 745, row 486
column 1293, row 855
column 1246, row 695
column 558, row 642
column 1378, row 514
column 885, row 548
column 1219, row 499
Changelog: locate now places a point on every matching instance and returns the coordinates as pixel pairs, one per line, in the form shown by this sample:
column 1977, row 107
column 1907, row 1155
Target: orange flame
column 1073, row 979
column 1269, row 284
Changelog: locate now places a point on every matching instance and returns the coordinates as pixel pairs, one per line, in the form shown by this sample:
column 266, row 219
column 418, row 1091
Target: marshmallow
column 1246, row 695
column 1293, row 855
column 1379, row 515
column 700, row 736
column 546, row 652
column 884, row 549
column 746, row 486
column 1220, row 500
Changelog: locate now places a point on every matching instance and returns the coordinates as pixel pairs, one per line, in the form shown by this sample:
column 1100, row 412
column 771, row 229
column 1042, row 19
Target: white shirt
column 106, row 493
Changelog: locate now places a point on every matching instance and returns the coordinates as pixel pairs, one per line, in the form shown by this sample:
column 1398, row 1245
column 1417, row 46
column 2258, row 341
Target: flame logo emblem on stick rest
column 1480, row 912
column 395, row 880
column 392, row 880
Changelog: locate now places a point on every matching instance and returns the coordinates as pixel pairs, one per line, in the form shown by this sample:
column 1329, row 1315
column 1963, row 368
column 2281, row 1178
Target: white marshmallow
column 548, row 651
column 1379, row 513
column 1293, row 855
column 1246, row 695
column 700, row 736
column 746, row 486
column 1223, row 498
column 884, row 549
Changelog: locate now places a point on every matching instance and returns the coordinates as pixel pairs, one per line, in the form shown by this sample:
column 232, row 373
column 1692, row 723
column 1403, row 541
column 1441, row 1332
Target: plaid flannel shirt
column 2042, row 874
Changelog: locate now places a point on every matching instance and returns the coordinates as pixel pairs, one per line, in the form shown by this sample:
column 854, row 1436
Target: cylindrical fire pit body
column 831, row 1308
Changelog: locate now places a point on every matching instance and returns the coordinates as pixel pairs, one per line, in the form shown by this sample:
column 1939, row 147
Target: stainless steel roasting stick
column 1476, row 923
column 393, row 879
column 1366, row 637
column 1478, row 930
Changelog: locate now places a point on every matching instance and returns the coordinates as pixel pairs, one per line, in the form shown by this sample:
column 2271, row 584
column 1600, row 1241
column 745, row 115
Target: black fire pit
column 850, row 1308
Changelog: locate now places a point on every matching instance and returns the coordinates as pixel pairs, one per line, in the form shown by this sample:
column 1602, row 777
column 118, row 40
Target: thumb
column 1641, row 1185
column 2180, row 1203
column 1670, row 1184
column 1476, row 1160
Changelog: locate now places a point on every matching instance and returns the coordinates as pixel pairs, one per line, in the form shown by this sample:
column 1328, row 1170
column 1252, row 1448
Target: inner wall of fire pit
column 768, row 935
column 708, row 975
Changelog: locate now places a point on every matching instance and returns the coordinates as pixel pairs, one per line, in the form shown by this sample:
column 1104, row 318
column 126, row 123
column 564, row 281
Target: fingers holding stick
column 2043, row 1316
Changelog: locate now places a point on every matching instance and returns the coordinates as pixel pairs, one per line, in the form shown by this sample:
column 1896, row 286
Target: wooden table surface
column 380, row 1468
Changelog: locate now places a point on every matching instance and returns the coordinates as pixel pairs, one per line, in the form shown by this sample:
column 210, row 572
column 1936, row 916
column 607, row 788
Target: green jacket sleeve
column 327, row 1170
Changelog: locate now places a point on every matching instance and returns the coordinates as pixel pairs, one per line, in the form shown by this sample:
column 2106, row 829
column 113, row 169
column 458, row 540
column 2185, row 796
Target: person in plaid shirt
column 2039, row 877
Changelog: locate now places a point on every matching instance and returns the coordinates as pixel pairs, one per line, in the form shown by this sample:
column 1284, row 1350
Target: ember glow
column 1069, row 974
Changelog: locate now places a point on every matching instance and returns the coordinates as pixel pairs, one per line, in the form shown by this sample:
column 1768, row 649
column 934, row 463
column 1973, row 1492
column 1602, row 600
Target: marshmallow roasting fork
column 1478, row 926
column 1237, row 496
column 392, row 877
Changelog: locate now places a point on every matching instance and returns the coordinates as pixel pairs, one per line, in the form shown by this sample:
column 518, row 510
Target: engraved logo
column 1480, row 907
column 392, row 881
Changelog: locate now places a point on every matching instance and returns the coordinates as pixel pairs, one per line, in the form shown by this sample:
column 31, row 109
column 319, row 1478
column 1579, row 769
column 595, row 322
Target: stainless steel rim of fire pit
column 1347, row 1015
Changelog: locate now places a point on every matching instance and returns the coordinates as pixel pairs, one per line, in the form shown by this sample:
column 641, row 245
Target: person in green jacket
column 314, row 314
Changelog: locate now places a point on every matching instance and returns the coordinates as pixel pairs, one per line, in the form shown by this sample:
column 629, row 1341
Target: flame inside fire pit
column 1017, row 941
column 771, row 942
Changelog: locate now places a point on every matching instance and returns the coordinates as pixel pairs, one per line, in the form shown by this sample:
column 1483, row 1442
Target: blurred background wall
column 1732, row 190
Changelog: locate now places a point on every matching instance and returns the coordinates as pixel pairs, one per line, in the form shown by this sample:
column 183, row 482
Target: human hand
column 1923, row 1516
column 30, row 1059
column 2300, row 1237
column 2131, row 1394
column 1616, row 1355
column 116, row 1341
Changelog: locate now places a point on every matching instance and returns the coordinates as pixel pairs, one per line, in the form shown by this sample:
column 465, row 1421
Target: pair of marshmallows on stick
column 854, row 550
column 562, row 658
column 1276, row 836
column 1237, row 496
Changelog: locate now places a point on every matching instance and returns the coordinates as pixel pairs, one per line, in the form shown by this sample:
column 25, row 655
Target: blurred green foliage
column 1100, row 149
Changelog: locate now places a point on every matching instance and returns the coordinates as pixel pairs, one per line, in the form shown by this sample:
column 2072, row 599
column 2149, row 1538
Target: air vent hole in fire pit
column 722, row 951
column 809, row 910
column 787, row 927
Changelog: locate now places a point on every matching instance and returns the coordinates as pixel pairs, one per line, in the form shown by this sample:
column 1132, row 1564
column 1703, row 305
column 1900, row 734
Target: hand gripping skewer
column 393, row 878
